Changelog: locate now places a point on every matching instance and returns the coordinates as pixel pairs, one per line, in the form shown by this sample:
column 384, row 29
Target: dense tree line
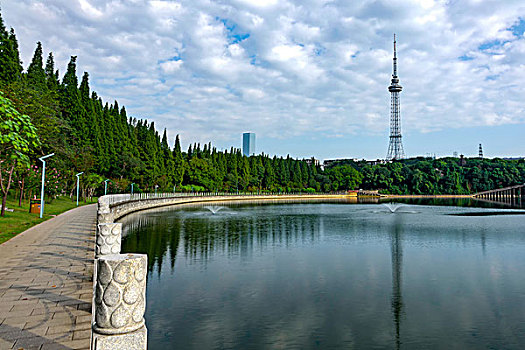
column 436, row 176
column 43, row 113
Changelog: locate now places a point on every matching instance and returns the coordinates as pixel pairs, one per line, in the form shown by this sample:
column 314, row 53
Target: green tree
column 10, row 65
column 51, row 75
column 178, row 160
column 17, row 138
column 36, row 76
column 344, row 177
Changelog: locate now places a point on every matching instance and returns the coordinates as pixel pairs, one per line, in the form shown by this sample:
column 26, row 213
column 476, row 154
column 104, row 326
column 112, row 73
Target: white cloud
column 289, row 52
column 171, row 66
column 259, row 3
column 89, row 9
column 253, row 94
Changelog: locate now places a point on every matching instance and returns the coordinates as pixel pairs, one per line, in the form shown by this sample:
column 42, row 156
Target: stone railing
column 119, row 282
column 119, row 290
column 113, row 207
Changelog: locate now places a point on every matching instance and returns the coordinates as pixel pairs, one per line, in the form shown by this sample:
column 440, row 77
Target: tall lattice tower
column 395, row 147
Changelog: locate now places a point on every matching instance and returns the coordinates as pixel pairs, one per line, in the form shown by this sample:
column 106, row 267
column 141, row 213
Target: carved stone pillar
column 103, row 210
column 120, row 301
column 109, row 237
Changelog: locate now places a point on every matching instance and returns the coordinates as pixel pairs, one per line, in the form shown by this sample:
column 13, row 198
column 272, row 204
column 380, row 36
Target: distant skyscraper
column 480, row 151
column 395, row 146
column 248, row 143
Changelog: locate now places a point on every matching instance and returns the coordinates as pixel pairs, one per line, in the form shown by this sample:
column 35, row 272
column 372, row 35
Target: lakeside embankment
column 415, row 196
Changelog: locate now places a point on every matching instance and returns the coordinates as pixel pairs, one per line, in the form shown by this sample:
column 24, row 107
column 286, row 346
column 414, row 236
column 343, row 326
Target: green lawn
column 20, row 219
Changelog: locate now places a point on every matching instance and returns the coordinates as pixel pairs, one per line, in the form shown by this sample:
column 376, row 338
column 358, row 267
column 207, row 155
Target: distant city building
column 248, row 143
column 312, row 161
column 376, row 162
column 480, row 151
column 455, row 154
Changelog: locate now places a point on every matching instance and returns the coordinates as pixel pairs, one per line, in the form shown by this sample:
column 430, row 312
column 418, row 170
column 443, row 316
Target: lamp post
column 106, row 186
column 78, row 183
column 43, row 178
column 132, row 187
column 156, row 189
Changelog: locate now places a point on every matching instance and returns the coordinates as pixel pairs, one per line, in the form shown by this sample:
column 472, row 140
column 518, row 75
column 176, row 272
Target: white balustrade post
column 103, row 210
column 120, row 302
column 109, row 238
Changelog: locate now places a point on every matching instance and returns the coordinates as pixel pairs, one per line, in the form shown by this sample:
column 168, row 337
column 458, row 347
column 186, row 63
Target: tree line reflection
column 199, row 237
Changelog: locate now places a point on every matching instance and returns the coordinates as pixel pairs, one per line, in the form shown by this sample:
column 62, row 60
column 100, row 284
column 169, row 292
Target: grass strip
column 20, row 219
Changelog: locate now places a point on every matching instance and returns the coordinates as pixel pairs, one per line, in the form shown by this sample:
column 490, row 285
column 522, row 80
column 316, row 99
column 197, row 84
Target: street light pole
column 78, row 183
column 43, row 178
column 106, row 186
column 156, row 189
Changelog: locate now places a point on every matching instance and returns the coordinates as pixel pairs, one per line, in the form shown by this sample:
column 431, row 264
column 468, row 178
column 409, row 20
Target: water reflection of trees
column 156, row 236
column 162, row 236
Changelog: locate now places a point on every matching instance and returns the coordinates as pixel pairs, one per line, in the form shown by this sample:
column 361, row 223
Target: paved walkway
column 46, row 284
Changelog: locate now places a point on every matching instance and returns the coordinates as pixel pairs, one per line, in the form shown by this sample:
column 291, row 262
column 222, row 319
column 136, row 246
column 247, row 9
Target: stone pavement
column 46, row 284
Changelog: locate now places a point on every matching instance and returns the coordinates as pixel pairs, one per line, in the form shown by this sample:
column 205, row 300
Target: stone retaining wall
column 109, row 212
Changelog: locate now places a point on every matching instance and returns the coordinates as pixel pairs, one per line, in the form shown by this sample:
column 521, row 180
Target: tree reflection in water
column 200, row 235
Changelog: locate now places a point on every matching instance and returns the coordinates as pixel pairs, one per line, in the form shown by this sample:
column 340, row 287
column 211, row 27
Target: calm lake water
column 332, row 276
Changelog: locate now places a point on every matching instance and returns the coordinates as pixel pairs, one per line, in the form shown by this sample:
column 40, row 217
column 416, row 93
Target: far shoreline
column 444, row 196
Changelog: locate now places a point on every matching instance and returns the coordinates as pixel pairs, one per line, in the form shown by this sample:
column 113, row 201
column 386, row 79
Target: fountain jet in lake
column 393, row 207
column 214, row 209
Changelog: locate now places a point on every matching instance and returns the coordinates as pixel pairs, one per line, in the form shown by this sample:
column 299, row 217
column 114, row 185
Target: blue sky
column 308, row 77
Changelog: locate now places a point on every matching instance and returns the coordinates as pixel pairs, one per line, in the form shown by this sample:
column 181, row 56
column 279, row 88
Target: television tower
column 395, row 147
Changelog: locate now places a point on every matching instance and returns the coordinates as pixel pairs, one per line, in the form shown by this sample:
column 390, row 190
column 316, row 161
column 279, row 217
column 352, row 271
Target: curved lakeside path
column 46, row 283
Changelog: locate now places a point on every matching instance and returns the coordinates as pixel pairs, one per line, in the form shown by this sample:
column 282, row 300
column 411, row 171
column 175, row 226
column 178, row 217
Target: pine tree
column 87, row 122
column 10, row 65
column 51, row 76
column 70, row 80
column 36, row 76
column 164, row 142
column 84, row 90
column 109, row 139
column 178, row 163
column 16, row 62
column 69, row 94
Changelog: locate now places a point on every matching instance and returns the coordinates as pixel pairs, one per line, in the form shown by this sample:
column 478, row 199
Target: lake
column 332, row 275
